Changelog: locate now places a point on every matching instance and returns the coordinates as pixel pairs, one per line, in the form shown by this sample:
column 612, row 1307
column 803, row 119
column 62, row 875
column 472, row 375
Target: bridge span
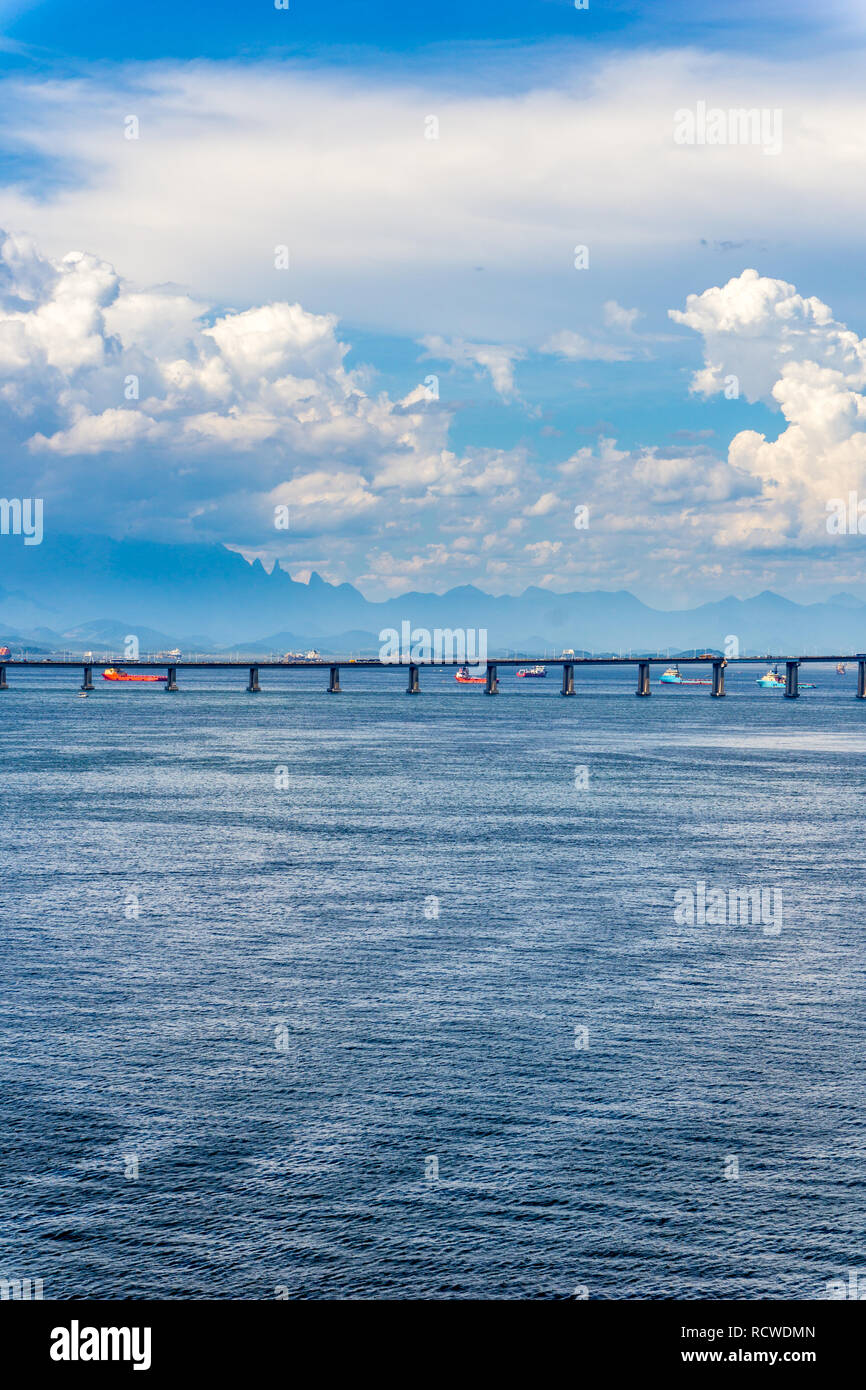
column 334, row 665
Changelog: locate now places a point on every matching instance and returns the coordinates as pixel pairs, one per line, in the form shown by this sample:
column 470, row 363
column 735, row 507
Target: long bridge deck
column 333, row 665
column 325, row 662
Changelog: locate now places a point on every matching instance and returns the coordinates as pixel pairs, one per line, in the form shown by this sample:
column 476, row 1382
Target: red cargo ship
column 462, row 675
column 111, row 674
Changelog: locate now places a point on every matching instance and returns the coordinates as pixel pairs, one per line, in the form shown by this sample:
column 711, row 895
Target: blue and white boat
column 773, row 681
column 672, row 677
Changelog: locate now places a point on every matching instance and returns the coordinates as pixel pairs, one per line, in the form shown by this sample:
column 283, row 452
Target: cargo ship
column 462, row 675
column 112, row 674
column 672, row 677
column 531, row 672
column 773, row 681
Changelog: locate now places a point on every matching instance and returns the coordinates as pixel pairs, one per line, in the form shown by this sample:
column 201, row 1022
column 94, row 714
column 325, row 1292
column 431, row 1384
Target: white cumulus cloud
column 789, row 350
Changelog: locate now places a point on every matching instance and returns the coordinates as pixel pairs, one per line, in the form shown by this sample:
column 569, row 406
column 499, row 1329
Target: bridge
column 491, row 681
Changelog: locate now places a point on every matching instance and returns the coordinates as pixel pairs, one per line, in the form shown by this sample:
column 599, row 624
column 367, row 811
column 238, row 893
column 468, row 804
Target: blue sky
column 449, row 253
column 221, row 29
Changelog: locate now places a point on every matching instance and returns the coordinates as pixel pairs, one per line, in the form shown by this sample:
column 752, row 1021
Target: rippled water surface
column 222, row 963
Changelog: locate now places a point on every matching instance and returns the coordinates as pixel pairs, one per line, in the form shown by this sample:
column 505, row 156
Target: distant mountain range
column 80, row 593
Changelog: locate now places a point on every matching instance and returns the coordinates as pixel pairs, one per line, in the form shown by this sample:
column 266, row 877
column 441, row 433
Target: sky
column 417, row 296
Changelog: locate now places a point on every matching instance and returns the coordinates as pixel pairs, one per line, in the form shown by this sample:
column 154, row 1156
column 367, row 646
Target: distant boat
column 531, row 672
column 841, row 669
column 112, row 674
column 672, row 677
column 773, row 681
column 462, row 675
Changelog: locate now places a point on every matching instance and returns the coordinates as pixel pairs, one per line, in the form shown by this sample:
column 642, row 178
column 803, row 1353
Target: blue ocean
column 377, row 996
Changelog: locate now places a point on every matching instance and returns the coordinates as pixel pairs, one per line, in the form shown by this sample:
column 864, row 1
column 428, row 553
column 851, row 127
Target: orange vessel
column 111, row 674
column 462, row 675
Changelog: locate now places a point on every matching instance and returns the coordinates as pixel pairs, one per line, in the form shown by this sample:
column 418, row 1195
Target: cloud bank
column 390, row 227
column 144, row 411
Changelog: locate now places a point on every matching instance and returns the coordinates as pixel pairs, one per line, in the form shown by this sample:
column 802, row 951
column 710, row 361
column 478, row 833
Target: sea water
column 369, row 995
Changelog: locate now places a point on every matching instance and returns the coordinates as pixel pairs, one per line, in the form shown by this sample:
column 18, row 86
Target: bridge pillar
column 171, row 683
column 414, row 686
column 254, row 688
column 567, row 679
column 718, row 686
column 643, row 678
column 861, row 676
column 87, row 683
column 334, row 681
column 792, row 680
column 3, row 685
column 491, row 684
